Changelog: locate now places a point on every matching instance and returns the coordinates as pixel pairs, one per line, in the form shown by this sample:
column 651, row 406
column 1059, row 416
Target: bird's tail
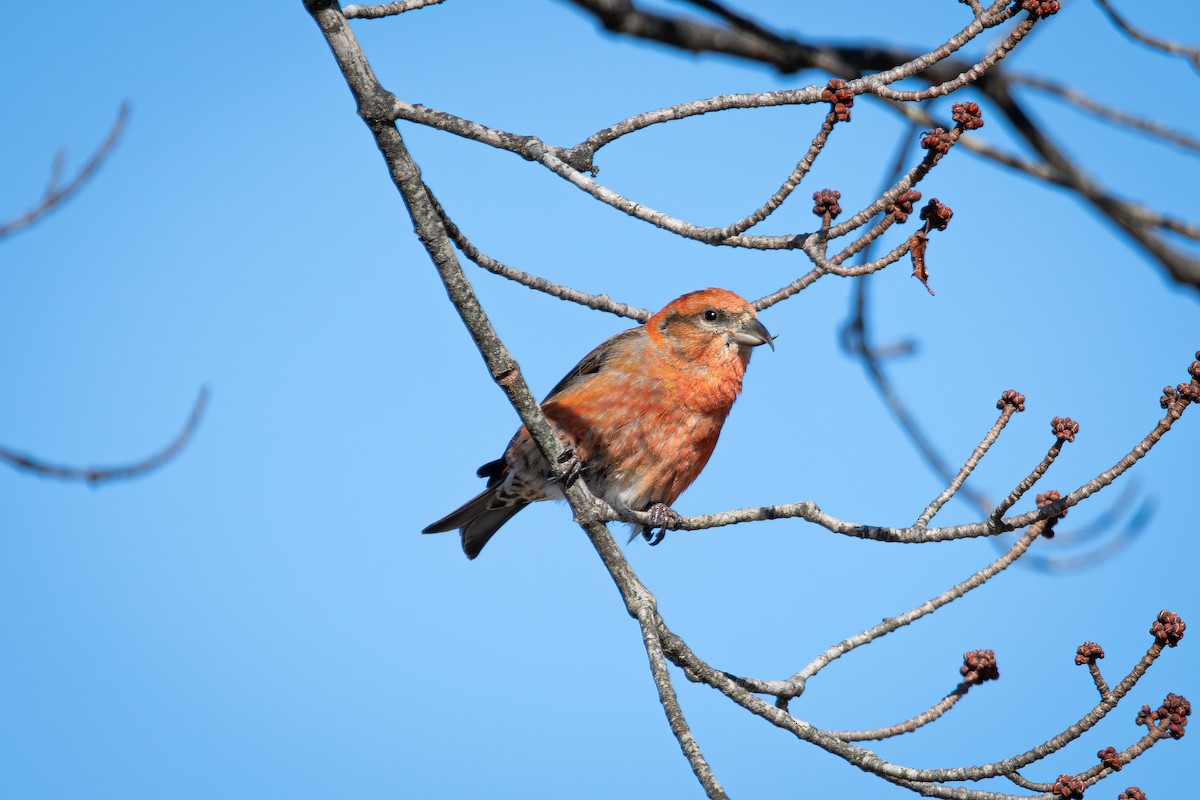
column 478, row 519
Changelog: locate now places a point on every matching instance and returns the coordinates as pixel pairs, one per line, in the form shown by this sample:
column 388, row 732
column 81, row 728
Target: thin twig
column 1028, row 481
column 634, row 22
column 96, row 475
column 789, row 185
column 908, row 181
column 928, row 607
column 55, row 193
column 386, row 9
column 678, row 651
column 789, row 55
column 1098, row 679
column 600, row 302
column 670, row 702
column 1191, row 53
column 980, row 451
column 783, row 293
column 809, row 511
column 908, row 726
column 1137, row 122
column 967, row 77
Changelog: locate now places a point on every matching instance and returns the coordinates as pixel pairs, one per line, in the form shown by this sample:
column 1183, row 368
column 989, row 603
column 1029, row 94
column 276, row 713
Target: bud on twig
column 840, row 98
column 1041, row 9
column 1013, row 398
column 1088, row 653
column 968, row 116
column 1064, row 428
column 826, row 203
column 979, row 666
column 1168, row 628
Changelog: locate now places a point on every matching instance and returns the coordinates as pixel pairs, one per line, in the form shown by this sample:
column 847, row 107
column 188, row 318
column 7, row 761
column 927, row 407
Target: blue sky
column 261, row 618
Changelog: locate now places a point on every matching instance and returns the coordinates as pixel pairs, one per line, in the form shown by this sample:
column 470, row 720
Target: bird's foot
column 567, row 469
column 662, row 517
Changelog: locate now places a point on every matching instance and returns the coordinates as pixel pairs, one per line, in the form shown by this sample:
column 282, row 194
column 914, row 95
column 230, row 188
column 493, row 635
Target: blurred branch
column 1078, row 99
column 1191, row 53
column 56, row 193
column 1098, row 552
column 96, row 475
column 856, row 340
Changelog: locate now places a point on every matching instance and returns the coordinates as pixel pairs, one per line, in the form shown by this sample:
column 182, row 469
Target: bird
column 639, row 417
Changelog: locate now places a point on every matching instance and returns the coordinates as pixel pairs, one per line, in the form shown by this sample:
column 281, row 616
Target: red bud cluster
column 1041, row 8
column 1169, row 718
column 903, row 205
column 826, row 203
column 1088, row 653
column 840, row 97
column 979, row 666
column 936, row 215
column 1168, row 628
column 968, row 116
column 1068, row 787
column 1110, row 758
column 937, row 140
column 1011, row 397
column 1064, row 428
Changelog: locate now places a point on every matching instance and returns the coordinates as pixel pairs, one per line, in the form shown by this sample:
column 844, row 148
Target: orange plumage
column 641, row 413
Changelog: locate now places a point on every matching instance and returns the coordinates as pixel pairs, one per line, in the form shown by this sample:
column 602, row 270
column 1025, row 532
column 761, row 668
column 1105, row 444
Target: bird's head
column 710, row 326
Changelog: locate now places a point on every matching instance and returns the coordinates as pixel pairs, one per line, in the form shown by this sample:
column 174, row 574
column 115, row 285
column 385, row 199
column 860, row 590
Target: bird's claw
column 662, row 517
column 566, row 470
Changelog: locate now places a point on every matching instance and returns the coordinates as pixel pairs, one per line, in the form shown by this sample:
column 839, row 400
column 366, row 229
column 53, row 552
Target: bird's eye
column 710, row 315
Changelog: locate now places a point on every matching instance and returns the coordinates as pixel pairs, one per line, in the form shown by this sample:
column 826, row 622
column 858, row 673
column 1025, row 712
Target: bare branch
column 967, row 77
column 1028, row 481
column 1006, row 412
column 934, row 713
column 789, row 185
column 600, row 302
column 1140, row 223
column 783, row 293
column 437, row 233
column 647, row 617
column 1082, row 101
column 789, row 55
column 925, row 781
column 1191, row 53
column 928, row 607
column 96, row 475
column 876, row 83
column 810, row 512
column 57, row 193
column 386, row 9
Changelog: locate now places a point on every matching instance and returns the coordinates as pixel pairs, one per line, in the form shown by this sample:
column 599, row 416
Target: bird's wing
column 594, row 361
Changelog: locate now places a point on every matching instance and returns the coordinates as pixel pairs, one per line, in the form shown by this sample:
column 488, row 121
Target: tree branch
column 96, row 475
column 1189, row 52
column 789, row 55
column 380, row 111
column 57, row 193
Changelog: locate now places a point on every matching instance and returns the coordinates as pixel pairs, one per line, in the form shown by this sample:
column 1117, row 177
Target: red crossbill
column 640, row 415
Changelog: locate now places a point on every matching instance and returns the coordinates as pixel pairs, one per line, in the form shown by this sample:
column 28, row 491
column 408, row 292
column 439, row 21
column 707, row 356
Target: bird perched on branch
column 640, row 415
